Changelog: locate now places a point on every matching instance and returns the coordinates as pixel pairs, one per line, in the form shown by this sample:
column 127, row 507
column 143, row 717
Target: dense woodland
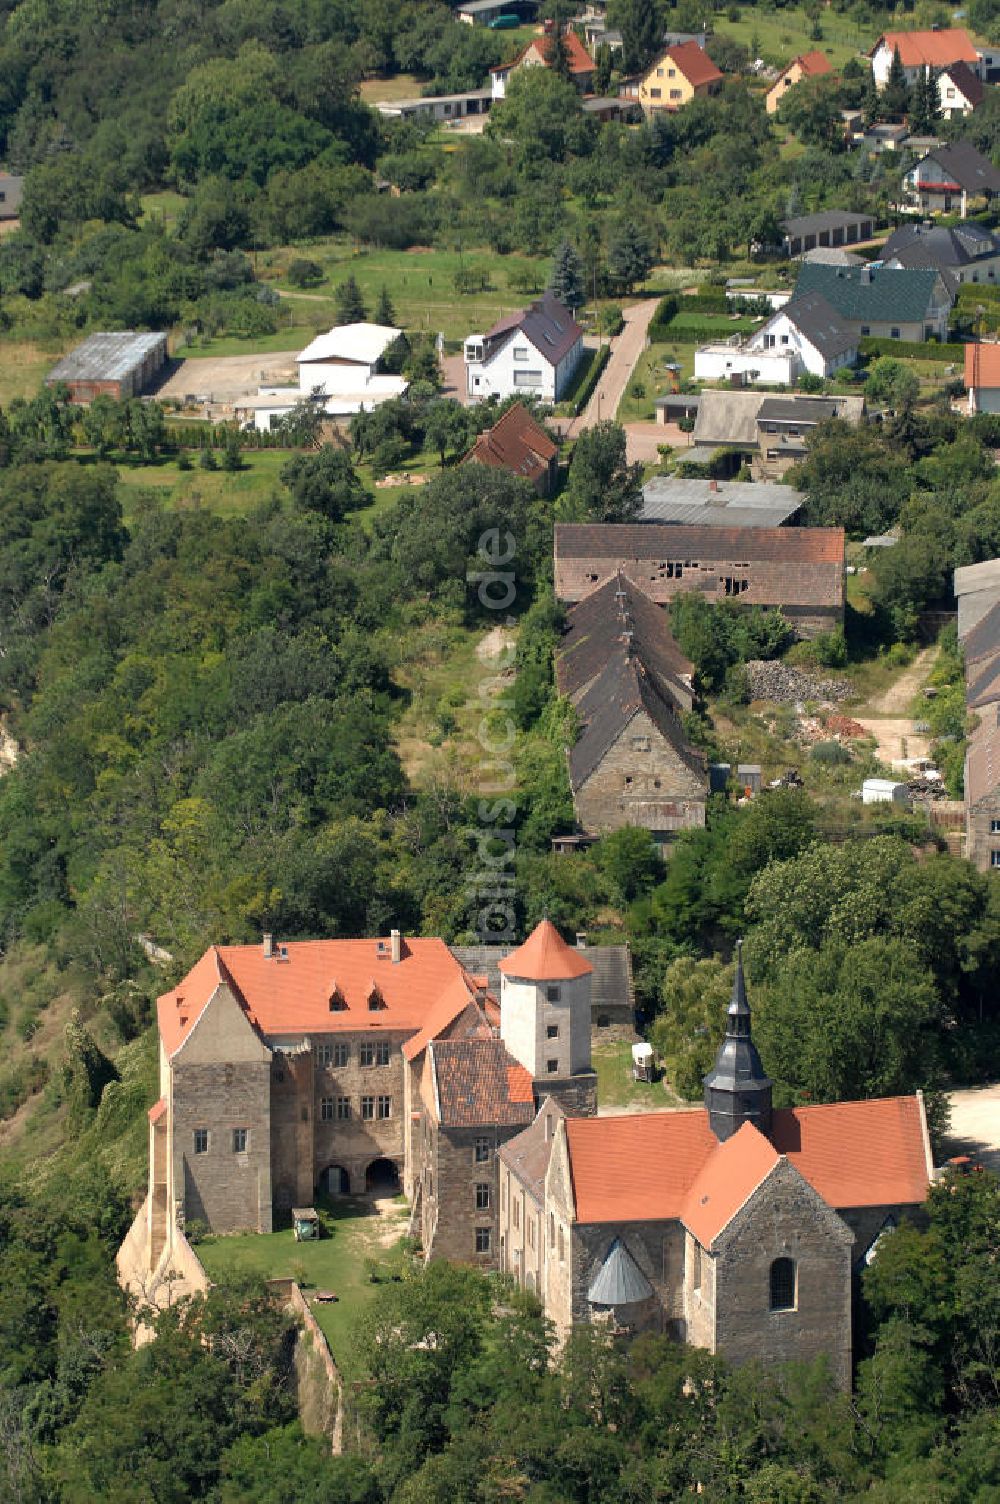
column 207, row 709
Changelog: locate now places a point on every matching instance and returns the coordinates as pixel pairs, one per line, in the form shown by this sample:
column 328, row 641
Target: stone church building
column 351, row 1065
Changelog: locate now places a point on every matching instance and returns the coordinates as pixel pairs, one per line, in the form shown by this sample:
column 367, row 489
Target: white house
column 346, row 361
column 960, row 90
column 533, row 352
column 982, row 377
column 919, row 50
column 807, row 334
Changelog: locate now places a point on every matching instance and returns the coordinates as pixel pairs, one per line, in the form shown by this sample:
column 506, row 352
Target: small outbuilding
column 884, row 791
column 110, row 365
column 305, row 1223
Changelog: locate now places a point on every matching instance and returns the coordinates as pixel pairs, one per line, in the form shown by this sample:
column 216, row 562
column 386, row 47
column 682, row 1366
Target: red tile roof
column 516, row 443
column 545, row 957
column 292, row 995
column 478, row 1083
column 695, row 64
column 933, row 49
column 982, row 365
column 813, row 64
column 580, row 60
column 157, row 1111
column 728, row 1179
column 452, row 1003
column 642, row 1167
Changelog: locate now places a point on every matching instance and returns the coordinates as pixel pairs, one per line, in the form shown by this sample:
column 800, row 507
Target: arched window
column 783, row 1285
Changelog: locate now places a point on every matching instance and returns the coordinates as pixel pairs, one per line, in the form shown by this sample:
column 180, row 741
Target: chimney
column 581, row 939
column 268, row 946
column 397, row 946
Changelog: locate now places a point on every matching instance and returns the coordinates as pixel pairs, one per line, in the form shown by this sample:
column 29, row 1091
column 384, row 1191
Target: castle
column 353, row 1065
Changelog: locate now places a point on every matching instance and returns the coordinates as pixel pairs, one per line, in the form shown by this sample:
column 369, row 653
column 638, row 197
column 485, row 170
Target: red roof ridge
column 694, row 62
column 545, row 957
column 935, row 49
column 726, row 1181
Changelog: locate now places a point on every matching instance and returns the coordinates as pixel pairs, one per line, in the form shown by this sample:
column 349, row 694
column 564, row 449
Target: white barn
column 533, row 353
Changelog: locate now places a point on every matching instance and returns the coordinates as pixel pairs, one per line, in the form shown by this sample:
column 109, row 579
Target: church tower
column 736, row 1089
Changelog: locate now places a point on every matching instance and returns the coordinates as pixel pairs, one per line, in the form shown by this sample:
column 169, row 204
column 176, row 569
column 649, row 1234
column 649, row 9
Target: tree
column 603, row 486
column 447, row 426
column 893, row 382
column 350, row 304
column 325, row 482
column 896, row 94
column 641, row 27
column 629, row 860
column 870, row 102
column 925, row 107
column 630, row 255
column 566, row 281
column 385, row 314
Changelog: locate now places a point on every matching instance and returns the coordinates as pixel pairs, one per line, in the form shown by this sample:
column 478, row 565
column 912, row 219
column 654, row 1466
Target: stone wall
column 576, row 1095
column 229, row 1190
column 980, row 840
column 641, row 781
column 521, row 1223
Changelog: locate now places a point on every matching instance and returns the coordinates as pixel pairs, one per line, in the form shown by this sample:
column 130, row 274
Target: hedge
column 591, row 379
column 665, row 312
column 926, row 350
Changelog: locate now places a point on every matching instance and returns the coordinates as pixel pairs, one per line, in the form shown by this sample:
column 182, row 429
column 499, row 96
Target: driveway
column 975, row 1125
column 625, row 351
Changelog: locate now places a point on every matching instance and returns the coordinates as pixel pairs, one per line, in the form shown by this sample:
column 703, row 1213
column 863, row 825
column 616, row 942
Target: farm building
column 11, row 193
column 110, row 365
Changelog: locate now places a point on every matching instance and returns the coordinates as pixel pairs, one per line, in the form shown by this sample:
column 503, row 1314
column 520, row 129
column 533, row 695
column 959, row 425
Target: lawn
column 616, row 1086
column 23, row 367
column 336, row 1263
column 403, row 86
column 782, row 35
column 304, row 320
column 214, row 490
column 650, row 374
column 161, row 208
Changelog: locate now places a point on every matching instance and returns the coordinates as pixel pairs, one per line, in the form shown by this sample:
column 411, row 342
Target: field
column 336, row 1263
column 212, row 490
column 782, row 35
column 23, row 366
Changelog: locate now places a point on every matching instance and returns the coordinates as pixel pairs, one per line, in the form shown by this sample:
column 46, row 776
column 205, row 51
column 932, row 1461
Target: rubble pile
column 844, row 728
column 768, row 679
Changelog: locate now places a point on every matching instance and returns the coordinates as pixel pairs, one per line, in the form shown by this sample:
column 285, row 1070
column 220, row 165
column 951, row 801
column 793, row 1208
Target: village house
column 982, row 377
column 442, row 108
column 678, row 75
column 963, row 252
column 808, row 65
column 110, row 365
column 950, row 178
column 920, row 51
column 831, row 228
column 612, row 988
column 977, row 588
column 11, row 194
column 960, row 90
column 768, row 432
column 800, row 570
column 735, row 1226
column 632, row 762
column 883, row 302
column 519, row 444
column 534, row 351
column 538, row 54
column 805, row 335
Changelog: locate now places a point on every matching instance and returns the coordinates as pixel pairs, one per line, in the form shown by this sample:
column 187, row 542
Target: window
column 324, row 1054
column 326, row 1110
column 551, row 1066
column 640, row 743
column 783, row 1285
column 368, row 1108
column 552, row 994
column 562, row 1246
column 659, row 72
column 995, row 858
column 552, row 1031
column 516, row 1213
column 481, row 1151
column 552, row 1231
column 482, row 1197
column 527, row 378
column 383, row 1107
column 343, row 1108
column 655, row 93
column 603, row 1021
column 520, row 353
column 341, row 1054
column 484, row 1239
column 894, row 333
column 241, row 1137
column 337, row 1002
column 375, row 1054
column 201, row 1140
column 376, row 1002
column 531, row 1232
column 994, row 826
column 675, row 93
column 696, row 1267
column 866, row 329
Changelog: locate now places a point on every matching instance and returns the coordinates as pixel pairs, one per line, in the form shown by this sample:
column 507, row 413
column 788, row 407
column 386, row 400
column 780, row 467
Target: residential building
column 719, row 503
column 11, row 193
column 884, row 136
column 631, row 763
column 798, row 569
column 768, row 431
column 736, row 1226
column 110, row 365
column 977, row 587
column 517, row 442
column 920, row 50
column 951, row 177
column 439, row 107
column 808, row 65
column 883, row 301
column 964, row 252
column 484, row 12
column 678, row 75
column 348, row 362
column 830, row 228
column 805, row 334
column 960, row 90
column 534, row 351
column 982, row 377
column 538, row 54
column 612, row 988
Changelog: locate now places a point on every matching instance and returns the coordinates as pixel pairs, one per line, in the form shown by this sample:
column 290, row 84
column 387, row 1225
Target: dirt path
column 899, row 696
column 886, row 717
column 975, row 1125
column 625, row 351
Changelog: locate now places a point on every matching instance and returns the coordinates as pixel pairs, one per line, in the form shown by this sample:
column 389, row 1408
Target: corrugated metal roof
column 719, row 503
column 106, row 357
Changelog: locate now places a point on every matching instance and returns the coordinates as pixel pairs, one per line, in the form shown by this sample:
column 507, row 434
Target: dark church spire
column 736, row 1088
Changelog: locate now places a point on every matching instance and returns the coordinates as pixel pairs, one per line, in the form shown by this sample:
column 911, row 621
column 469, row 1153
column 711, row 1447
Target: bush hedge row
column 586, row 391
column 922, row 350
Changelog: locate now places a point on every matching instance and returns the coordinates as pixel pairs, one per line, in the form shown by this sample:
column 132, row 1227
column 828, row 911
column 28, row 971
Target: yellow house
column 676, row 77
column 809, row 65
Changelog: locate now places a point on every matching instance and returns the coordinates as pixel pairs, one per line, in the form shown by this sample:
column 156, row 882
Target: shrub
column 831, row 754
column 304, row 273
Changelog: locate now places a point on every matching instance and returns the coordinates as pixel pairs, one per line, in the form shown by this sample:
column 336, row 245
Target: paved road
column 625, row 351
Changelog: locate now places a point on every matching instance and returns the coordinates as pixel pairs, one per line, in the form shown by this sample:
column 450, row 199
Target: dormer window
column 338, row 1003
column 376, row 1002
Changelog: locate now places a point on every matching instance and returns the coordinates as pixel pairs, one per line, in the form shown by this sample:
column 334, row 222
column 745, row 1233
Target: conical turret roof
column 545, row 957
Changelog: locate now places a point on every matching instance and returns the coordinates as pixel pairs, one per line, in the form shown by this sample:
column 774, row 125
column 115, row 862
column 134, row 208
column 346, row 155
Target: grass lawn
column 213, row 490
column 649, row 373
column 335, row 1263
column 163, row 208
column 385, row 497
column 23, row 367
column 303, row 323
column 403, row 86
column 616, row 1086
column 784, row 34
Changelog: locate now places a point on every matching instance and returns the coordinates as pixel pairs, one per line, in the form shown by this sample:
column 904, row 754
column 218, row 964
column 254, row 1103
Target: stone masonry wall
column 651, row 788
column 228, row 1190
column 576, row 1095
column 980, row 841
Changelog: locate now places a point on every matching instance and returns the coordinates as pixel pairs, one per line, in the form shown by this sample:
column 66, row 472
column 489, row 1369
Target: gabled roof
column 545, row 957
column 642, row 1168
column 966, row 82
column 726, row 1181
column 528, row 1154
column 984, row 639
column 808, row 411
column 477, row 1082
column 611, row 986
column 825, row 219
column 870, row 295
column 616, row 697
column 450, row 1007
column 982, row 366
column 547, row 323
column 728, row 417
column 516, row 442
column 812, row 64
column 819, row 322
column 930, row 49
column 692, row 61
column 580, row 60
column 619, row 1281
column 962, row 164
column 594, row 636
column 653, row 540
column 982, row 759
column 363, row 343
column 939, row 245
column 289, row 992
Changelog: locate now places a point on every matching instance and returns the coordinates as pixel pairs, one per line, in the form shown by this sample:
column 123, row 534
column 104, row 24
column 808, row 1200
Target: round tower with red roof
column 545, row 1009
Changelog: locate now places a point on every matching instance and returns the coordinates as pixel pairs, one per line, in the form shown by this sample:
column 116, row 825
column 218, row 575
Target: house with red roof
column 922, row 51
column 519, row 444
column 677, row 76
column 736, row 1226
column 808, row 65
column 538, row 54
